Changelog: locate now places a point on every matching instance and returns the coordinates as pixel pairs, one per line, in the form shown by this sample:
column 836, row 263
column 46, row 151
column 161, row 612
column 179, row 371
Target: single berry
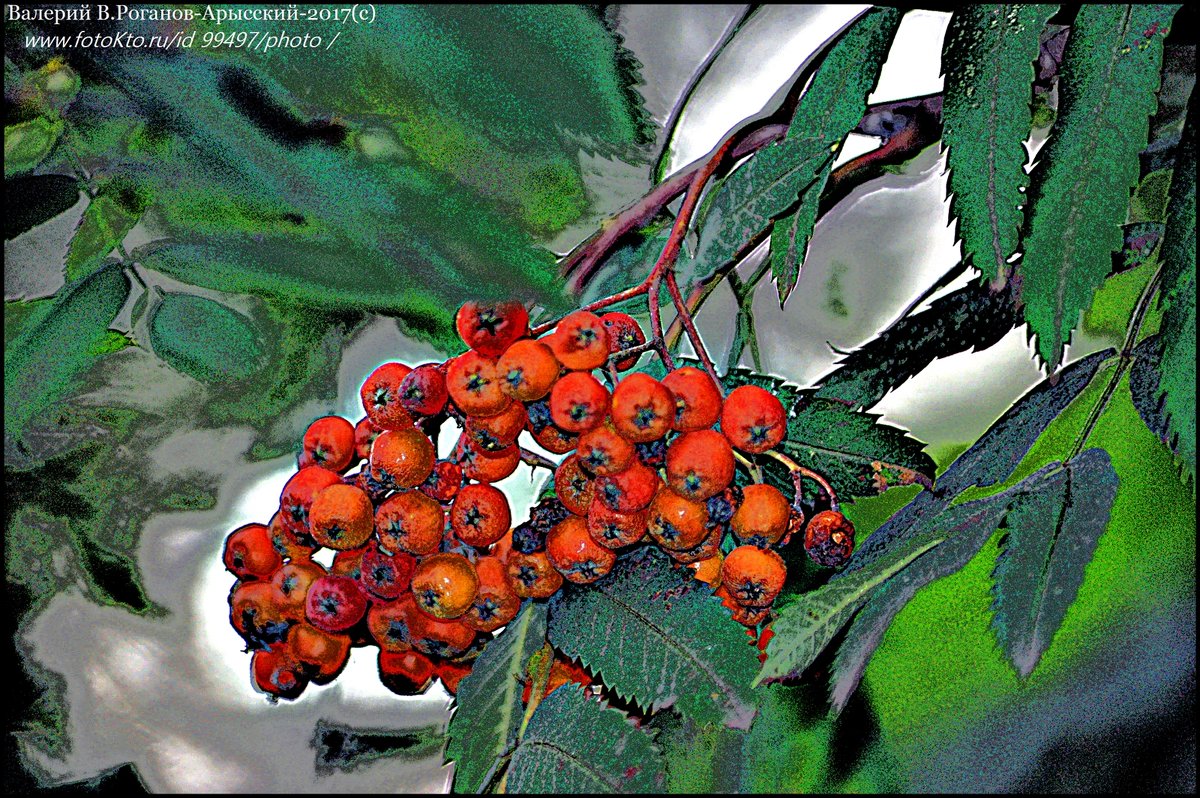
column 321, row 654
column 292, row 582
column 479, row 516
column 753, row 576
column 548, row 436
column 746, row 616
column 762, row 518
column 578, row 402
column 493, row 433
column 753, row 420
column 699, row 464
column 533, row 575
column 829, row 539
column 403, row 458
column 697, row 399
column 602, row 451
column 335, row 603
column 444, row 585
column 629, row 490
column 385, row 575
column 423, row 391
column 405, row 672
column 623, row 333
column 444, row 482
column 642, row 408
column 615, row 530
column 276, row 673
column 528, row 370
column 381, row 397
column 484, row 466
column 575, row 553
column 410, row 521
column 496, row 602
column 389, row 622
column 676, row 522
column 490, row 327
column 342, row 517
column 474, row 383
column 298, row 494
column 329, row 443
column 573, row 486
column 438, row 638
column 580, row 342
column 258, row 612
column 250, row 552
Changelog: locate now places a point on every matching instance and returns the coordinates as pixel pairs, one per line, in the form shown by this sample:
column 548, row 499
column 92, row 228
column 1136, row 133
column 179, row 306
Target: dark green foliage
column 33, row 199
column 489, row 713
column 109, row 217
column 574, row 744
column 204, row 339
column 26, row 144
column 1143, row 385
column 691, row 655
column 988, row 63
column 1052, row 532
column 1079, row 197
column 344, row 748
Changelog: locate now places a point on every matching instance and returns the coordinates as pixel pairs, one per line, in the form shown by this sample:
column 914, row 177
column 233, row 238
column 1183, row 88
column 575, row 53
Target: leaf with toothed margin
column 488, row 710
column 1079, row 195
column 575, row 744
column 988, row 61
column 660, row 639
column 1052, row 533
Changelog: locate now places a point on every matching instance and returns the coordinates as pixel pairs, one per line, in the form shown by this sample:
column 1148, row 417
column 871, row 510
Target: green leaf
column 1052, row 533
column 204, row 339
column 488, row 705
column 804, row 627
column 988, row 60
column 684, row 743
column 660, row 639
column 34, row 199
column 26, row 144
column 1143, row 386
column 108, row 218
column 574, row 744
column 770, row 183
column 789, row 241
column 1079, row 197
column 44, row 362
column 1177, row 365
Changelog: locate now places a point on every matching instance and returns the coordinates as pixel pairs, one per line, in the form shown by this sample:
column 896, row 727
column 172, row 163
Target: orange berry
column 613, row 529
column 623, row 333
column 444, row 482
column 493, row 433
column 578, row 402
column 762, row 517
column 496, row 602
column 554, row 440
column 473, row 383
column 480, row 516
column 329, row 443
column 324, row 653
column 259, row 613
column 642, row 408
column 381, row 396
column 490, row 327
column 434, row 636
column 402, row 458
column 444, row 585
column 528, row 370
column 629, row 490
column 342, row 517
column 753, row 420
column 602, row 451
column 533, row 575
column 676, row 522
column 389, row 622
column 483, row 466
column 287, row 543
column 298, row 494
column 292, row 582
column 705, row 549
column 697, row 399
column 410, row 521
column 250, row 553
column 575, row 553
column 746, row 616
column 753, row 576
column 699, row 464
column 423, row 391
column 580, row 342
column 573, row 486
column 276, row 673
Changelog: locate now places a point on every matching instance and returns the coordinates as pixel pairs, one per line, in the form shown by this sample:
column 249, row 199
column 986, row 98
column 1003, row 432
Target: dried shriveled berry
column 410, row 521
column 329, row 443
column 573, row 486
column 753, row 419
column 342, row 517
column 762, row 518
column 699, row 464
column 578, row 402
column 642, row 408
column 829, row 539
column 697, row 399
column 528, row 370
column 544, row 431
column 753, row 576
column 480, row 515
column 623, row 333
column 676, row 522
column 575, row 553
column 530, row 536
column 473, row 383
column 250, row 552
column 444, row 585
column 381, row 397
column 402, row 458
column 580, row 342
column 490, row 327
column 423, row 391
column 652, row 454
column 722, row 506
column 335, row 603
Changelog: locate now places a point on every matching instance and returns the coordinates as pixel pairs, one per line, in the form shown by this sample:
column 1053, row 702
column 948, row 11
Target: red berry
column 335, row 603
column 575, row 553
column 753, row 420
column 697, row 399
column 474, row 385
column 699, row 464
column 603, row 451
column 405, row 672
column 580, row 342
column 480, row 515
column 292, row 582
column 496, row 602
column 623, row 333
column 490, row 327
column 451, row 673
column 423, row 391
column 573, row 486
column 444, row 482
column 629, row 490
column 365, row 433
column 533, row 575
column 483, row 466
column 642, row 408
column 410, row 521
column 276, row 673
column 578, row 402
column 613, row 529
column 250, row 553
column 323, row 653
column 329, row 443
column 381, row 396
column 384, row 575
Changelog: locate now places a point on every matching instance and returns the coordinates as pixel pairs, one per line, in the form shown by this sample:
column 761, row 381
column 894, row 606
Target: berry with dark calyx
column 298, row 494
column 575, row 553
column 528, row 370
column 705, row 549
column 288, row 544
column 753, row 576
column 403, row 458
column 321, row 655
column 615, row 530
column 829, row 539
column 474, row 384
column 258, row 612
column 405, row 672
column 365, row 433
column 483, row 466
column 410, row 521
column 444, row 585
column 250, row 552
column 375, row 489
column 329, row 443
column 697, row 399
column 342, row 517
column 335, row 603
column 480, row 515
column 676, row 522
column 762, row 518
column 490, row 327
column 630, row 490
column 381, row 397
column 493, row 433
column 753, row 419
column 699, row 464
column 652, row 453
column 580, row 342
column 578, row 402
column 276, row 673
column 746, row 616
column 384, row 575
column 388, row 622
column 444, row 482
column 496, row 602
column 642, row 408
column 603, row 451
column 292, row 582
column 623, row 333
column 423, row 391
column 436, row 637
column 544, row 431
column 574, row 486
column 533, row 575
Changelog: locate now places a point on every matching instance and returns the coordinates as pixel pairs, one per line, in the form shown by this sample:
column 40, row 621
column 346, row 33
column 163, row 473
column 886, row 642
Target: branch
column 798, row 471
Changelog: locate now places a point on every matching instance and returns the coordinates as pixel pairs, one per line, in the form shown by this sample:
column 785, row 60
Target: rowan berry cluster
column 428, row 564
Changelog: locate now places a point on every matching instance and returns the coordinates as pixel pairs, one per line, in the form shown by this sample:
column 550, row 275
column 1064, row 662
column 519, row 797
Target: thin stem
column 799, row 471
column 690, row 326
column 600, row 304
column 536, row 460
column 754, row 469
column 1124, row 359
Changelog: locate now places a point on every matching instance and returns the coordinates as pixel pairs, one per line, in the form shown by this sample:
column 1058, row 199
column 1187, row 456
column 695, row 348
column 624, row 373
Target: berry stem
column 798, row 472
column 536, row 460
column 754, row 470
column 684, row 316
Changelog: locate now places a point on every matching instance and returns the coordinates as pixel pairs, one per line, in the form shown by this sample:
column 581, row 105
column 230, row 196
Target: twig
column 536, row 460
column 799, row 471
